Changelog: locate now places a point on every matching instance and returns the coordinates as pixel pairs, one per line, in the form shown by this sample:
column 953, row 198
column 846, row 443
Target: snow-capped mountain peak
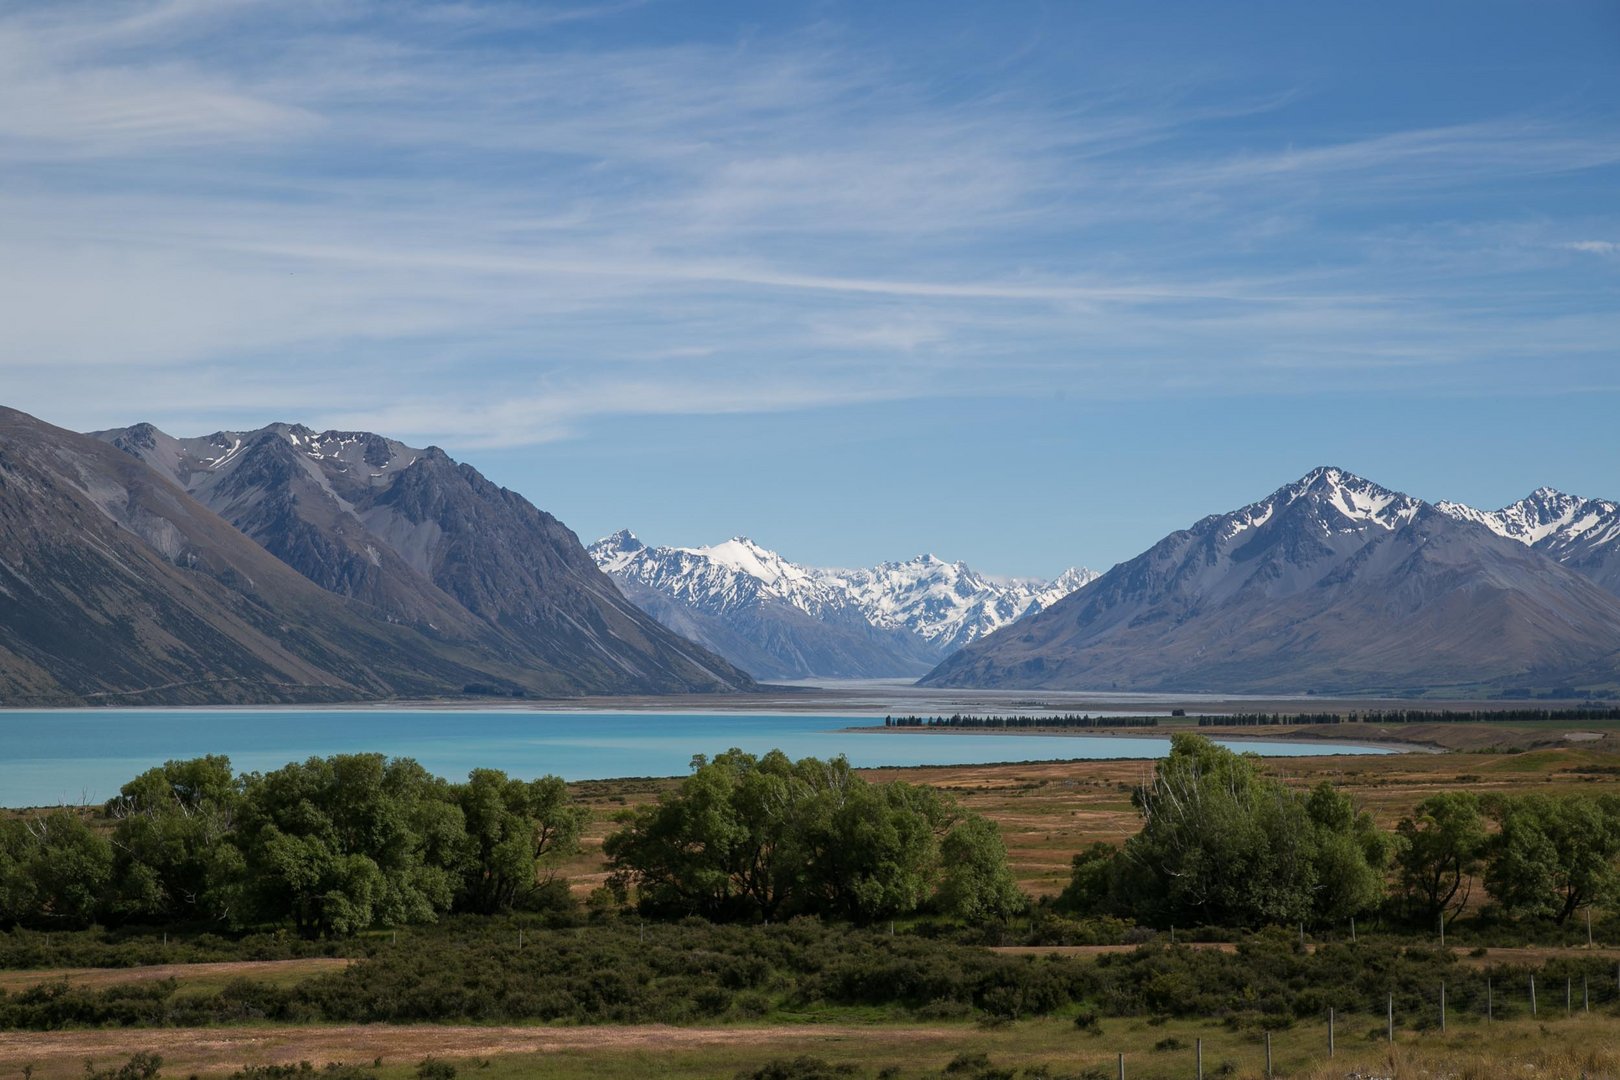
column 1355, row 498
column 1336, row 500
column 936, row 605
column 746, row 557
column 613, row 552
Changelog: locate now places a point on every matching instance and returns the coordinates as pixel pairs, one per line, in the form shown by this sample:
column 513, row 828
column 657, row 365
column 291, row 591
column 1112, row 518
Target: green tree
column 1441, row 852
column 977, row 885
column 1091, row 875
column 1223, row 845
column 1554, row 855
column 870, row 852
column 170, row 824
column 1352, row 856
column 768, row 837
column 696, row 850
column 342, row 843
column 54, row 869
column 516, row 831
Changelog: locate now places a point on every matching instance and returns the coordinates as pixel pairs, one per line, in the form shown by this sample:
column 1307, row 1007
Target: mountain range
column 1334, row 584
column 778, row 619
column 287, row 565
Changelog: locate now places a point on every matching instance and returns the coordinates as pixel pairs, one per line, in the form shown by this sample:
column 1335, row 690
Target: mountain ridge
column 432, row 544
column 1330, row 583
column 1581, row 533
column 124, row 589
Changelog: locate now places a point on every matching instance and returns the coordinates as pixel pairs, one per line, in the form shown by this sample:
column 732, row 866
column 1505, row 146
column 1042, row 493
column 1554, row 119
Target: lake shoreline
column 1291, row 735
column 86, row 756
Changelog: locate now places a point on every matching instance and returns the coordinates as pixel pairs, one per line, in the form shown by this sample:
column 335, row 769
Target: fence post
column 1442, row 1008
column 1586, row 996
column 1268, row 1055
column 1490, row 1005
column 1569, row 995
column 1392, row 1018
column 1198, row 1053
column 1532, row 995
column 1589, row 926
column 1352, row 929
column 1442, row 929
column 1122, row 1067
column 1330, row 1031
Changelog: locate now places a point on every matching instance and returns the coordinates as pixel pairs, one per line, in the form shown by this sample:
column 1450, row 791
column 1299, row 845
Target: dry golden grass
column 1048, row 811
column 278, row 972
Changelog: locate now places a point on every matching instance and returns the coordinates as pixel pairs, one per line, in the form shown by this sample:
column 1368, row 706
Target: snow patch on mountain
column 1546, row 516
column 1581, row 533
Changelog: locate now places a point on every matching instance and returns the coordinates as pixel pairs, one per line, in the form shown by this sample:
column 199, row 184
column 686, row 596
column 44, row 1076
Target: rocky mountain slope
column 779, row 619
column 1332, row 583
column 116, row 587
column 428, row 544
column 1583, row 534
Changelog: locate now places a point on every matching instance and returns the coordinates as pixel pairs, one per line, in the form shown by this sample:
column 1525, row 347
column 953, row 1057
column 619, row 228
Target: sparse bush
column 141, row 1066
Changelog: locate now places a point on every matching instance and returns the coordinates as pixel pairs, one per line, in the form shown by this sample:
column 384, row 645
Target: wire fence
column 1567, row 987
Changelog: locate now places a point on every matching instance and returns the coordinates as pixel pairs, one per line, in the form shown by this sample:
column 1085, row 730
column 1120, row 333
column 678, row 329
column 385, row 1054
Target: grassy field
column 1583, row 1045
column 1047, row 811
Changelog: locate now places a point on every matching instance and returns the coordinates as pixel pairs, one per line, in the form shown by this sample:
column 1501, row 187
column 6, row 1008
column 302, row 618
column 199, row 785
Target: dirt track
column 64, row 1052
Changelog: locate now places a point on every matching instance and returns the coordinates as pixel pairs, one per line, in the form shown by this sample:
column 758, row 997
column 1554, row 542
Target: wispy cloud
column 212, row 207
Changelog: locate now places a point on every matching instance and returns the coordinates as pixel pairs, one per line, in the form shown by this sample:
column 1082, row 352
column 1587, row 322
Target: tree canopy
column 1554, row 854
column 1222, row 845
column 748, row 837
column 334, row 845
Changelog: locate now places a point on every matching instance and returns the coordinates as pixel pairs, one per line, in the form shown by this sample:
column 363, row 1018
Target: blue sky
column 1024, row 284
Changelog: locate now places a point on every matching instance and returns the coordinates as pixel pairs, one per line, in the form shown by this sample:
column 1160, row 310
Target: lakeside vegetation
column 766, row 891
column 332, row 847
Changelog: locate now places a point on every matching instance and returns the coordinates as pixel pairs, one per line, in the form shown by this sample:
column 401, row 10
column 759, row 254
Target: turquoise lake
column 72, row 756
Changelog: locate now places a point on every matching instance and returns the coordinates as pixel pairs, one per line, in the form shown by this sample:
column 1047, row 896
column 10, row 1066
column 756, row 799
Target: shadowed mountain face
column 431, row 544
column 116, row 587
column 778, row 619
column 1331, row 584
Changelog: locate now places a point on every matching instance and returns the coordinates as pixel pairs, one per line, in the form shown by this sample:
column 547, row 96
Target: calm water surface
column 50, row 757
